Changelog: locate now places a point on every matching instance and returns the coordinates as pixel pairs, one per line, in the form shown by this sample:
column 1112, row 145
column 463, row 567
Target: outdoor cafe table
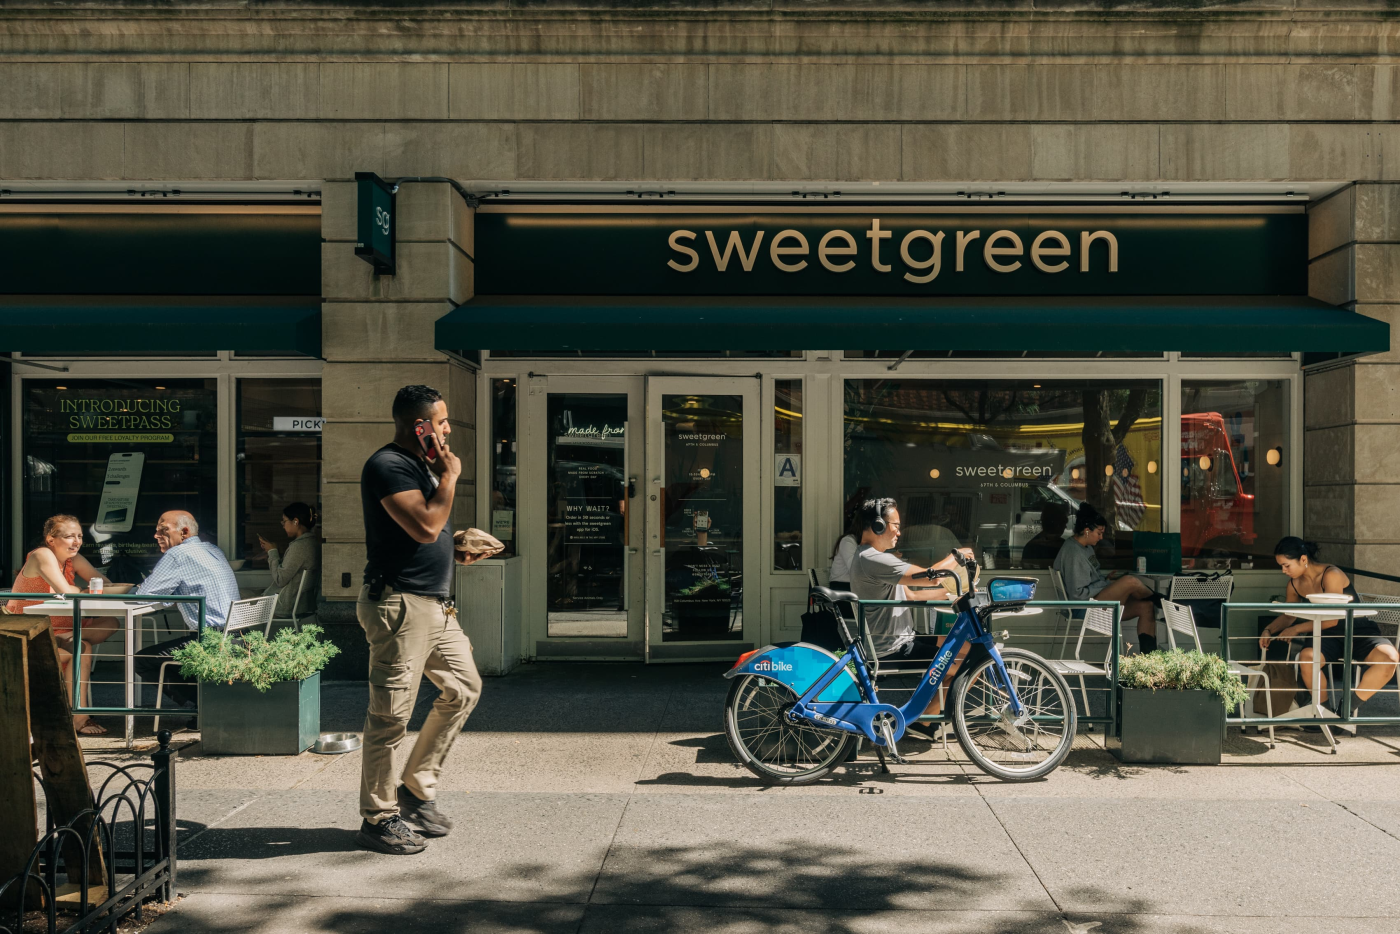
column 1318, row 613
column 128, row 611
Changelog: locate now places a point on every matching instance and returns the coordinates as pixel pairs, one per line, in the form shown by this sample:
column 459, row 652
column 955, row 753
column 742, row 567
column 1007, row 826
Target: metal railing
column 1346, row 613
column 1110, row 717
column 112, row 881
column 77, row 599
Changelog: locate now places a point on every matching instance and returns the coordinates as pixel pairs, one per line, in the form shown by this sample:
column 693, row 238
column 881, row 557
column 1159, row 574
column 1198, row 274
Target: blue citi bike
column 795, row 710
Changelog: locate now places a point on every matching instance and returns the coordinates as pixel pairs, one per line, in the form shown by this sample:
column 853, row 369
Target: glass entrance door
column 702, row 516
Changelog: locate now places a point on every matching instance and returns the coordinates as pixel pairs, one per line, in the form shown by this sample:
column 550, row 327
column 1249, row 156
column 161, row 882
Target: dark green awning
column 1208, row 324
column 158, row 328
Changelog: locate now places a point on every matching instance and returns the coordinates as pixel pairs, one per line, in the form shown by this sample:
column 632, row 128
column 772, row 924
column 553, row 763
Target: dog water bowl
column 333, row 744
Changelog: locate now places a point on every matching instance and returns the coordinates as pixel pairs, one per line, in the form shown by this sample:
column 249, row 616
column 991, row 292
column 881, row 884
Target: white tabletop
column 1321, row 611
column 135, row 606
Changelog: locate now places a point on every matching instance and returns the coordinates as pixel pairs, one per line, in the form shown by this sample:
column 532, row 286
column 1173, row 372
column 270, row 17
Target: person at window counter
column 1078, row 565
column 878, row 574
column 188, row 566
column 303, row 554
column 405, row 608
column 1307, row 575
column 55, row 567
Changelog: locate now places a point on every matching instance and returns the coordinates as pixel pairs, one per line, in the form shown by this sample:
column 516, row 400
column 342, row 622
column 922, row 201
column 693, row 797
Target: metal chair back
column 295, row 614
column 1191, row 587
column 1385, row 617
column 250, row 614
column 1180, row 619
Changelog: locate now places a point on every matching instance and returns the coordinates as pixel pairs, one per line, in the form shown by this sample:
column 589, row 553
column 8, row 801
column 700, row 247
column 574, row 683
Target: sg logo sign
column 381, row 220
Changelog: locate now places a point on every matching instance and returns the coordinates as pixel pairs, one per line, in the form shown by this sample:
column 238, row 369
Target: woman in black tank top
column 1298, row 561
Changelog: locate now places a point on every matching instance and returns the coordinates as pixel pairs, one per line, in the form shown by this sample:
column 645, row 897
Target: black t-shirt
column 406, row 565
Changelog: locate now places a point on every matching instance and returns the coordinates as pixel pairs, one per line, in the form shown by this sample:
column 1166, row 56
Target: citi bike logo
column 939, row 667
column 769, row 664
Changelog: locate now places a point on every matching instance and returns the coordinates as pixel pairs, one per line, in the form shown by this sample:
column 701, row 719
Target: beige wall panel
column 189, row 150
column 708, row 151
column 836, row 152
column 1390, row 314
column 1378, row 393
column 432, row 211
column 1378, row 456
column 424, row 272
column 450, row 150
column 94, row 91
column 338, row 218
column 1328, row 455
column 971, row 151
column 464, row 502
column 1222, row 152
column 998, row 92
column 1330, row 222
column 1328, row 398
column 837, row 92
column 61, row 150
column 1330, row 150
column 513, row 91
column 343, row 518
column 1291, row 92
column 1061, row 92
column 1378, row 92
column 317, row 150
column 580, row 151
column 388, row 91
column 644, row 92
column 255, row 91
column 1158, row 92
column 1377, row 272
column 355, row 393
column 1378, row 511
column 338, row 558
column 1332, row 278
column 1381, row 558
column 345, row 446
column 460, row 394
column 380, row 331
column 1090, row 151
column 1328, row 511
column 1378, row 212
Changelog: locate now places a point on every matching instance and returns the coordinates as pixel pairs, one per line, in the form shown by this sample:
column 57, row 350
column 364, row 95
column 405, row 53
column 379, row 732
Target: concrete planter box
column 1172, row 727
column 238, row 720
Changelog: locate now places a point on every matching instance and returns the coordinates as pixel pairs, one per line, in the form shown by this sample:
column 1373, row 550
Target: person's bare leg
column 1145, row 614
column 935, row 706
column 95, row 632
column 1306, row 669
column 1381, row 667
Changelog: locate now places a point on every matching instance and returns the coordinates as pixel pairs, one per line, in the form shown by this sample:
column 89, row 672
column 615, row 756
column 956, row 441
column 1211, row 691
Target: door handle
column 633, row 551
column 658, row 552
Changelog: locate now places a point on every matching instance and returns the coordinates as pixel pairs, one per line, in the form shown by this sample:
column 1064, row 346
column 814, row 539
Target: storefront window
column 117, row 453
column 1003, row 465
column 1235, row 460
column 279, row 461
column 787, row 475
column 503, row 463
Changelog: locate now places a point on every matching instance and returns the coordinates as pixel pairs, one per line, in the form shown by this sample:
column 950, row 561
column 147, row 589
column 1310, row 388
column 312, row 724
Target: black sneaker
column 391, row 836
column 423, row 814
column 932, row 731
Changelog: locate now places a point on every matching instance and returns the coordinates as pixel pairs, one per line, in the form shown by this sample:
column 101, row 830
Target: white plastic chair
column 295, row 618
column 242, row 615
column 1098, row 619
column 1180, row 619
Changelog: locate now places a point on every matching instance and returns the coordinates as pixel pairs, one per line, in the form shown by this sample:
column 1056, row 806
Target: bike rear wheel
column 1014, row 749
column 768, row 744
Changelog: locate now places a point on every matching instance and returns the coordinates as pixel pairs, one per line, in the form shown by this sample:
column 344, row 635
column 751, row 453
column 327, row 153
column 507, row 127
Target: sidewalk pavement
column 603, row 799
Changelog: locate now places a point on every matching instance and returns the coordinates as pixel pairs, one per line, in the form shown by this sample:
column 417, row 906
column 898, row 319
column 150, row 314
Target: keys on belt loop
column 449, row 606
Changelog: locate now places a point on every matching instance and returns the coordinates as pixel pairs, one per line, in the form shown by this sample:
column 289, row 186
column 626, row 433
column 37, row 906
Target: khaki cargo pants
column 411, row 636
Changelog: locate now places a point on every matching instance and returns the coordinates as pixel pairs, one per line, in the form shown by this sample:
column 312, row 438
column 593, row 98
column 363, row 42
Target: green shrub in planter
column 1172, row 707
column 258, row 696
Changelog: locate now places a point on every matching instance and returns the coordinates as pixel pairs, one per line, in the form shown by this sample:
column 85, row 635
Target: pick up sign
column 297, row 423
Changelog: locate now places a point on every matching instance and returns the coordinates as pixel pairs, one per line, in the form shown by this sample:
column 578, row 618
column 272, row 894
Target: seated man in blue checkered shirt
column 188, row 565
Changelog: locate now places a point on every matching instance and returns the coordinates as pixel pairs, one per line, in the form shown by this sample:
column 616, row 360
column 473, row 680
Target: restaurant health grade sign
column 530, row 250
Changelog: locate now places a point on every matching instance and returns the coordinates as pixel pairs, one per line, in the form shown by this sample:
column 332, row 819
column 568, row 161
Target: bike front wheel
column 768, row 744
column 1014, row 749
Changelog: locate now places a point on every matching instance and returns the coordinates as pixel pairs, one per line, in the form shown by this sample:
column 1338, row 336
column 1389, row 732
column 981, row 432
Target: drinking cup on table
column 95, row 585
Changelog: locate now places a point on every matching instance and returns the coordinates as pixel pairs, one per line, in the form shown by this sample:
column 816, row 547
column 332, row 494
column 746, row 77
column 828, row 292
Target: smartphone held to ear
column 426, row 440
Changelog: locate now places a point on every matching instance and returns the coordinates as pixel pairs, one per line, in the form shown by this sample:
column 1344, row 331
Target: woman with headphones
column 879, row 574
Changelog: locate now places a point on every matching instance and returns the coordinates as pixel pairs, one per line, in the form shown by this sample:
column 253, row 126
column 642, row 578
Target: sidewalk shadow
column 264, row 843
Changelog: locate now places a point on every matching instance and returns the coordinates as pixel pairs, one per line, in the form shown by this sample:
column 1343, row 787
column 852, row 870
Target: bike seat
column 833, row 596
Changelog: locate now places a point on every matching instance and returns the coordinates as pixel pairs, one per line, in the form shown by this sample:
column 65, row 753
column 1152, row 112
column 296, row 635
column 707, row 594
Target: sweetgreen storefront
column 667, row 453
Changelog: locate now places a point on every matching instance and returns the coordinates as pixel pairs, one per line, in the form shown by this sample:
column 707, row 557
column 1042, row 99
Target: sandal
column 92, row 728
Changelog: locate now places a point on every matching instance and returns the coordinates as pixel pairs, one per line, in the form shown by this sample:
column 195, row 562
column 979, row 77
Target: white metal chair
column 1383, row 618
column 242, row 615
column 296, row 617
column 1058, row 581
column 1180, row 619
column 1098, row 619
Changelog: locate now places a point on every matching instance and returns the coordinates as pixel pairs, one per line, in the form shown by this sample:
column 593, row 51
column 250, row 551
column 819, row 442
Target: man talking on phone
column 406, row 610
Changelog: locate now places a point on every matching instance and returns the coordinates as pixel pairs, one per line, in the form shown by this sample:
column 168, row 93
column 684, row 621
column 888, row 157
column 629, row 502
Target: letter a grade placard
column 375, row 228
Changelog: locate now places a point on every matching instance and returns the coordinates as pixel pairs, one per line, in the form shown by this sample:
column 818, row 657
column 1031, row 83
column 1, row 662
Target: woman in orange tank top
column 54, row 567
